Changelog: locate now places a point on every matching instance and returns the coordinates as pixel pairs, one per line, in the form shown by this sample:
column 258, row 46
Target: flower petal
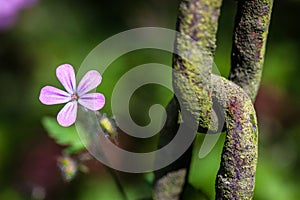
column 66, row 75
column 50, row 95
column 67, row 115
column 89, row 81
column 92, row 101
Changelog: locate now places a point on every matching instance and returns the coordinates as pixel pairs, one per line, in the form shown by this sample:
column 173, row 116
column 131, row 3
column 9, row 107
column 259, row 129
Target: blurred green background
column 54, row 32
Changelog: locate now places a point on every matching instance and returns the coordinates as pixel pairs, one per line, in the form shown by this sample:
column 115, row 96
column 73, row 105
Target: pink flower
column 93, row 101
column 9, row 10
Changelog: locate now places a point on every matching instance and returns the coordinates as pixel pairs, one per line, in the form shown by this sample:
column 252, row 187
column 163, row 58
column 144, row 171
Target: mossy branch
column 197, row 23
column 169, row 187
column 195, row 88
column 249, row 42
column 236, row 175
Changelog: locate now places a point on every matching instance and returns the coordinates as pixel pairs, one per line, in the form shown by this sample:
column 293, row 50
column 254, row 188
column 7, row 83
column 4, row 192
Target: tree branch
column 193, row 61
column 249, row 41
column 197, row 24
column 236, row 175
column 195, row 88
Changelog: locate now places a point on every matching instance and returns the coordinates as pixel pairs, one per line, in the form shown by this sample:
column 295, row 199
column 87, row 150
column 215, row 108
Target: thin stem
column 117, row 181
column 89, row 122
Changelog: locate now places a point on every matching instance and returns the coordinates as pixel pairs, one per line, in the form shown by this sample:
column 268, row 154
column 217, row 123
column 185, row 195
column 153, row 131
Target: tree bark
column 196, row 89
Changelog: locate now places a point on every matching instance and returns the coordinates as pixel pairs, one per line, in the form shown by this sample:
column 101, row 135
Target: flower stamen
column 74, row 97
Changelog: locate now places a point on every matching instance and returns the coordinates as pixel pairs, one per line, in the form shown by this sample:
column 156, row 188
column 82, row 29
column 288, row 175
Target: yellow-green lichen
column 170, row 186
column 236, row 176
column 194, row 88
column 249, row 41
column 195, row 46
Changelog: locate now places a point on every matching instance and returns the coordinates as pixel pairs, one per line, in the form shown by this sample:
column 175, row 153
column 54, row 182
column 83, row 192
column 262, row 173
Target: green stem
column 90, row 126
column 117, row 181
column 249, row 41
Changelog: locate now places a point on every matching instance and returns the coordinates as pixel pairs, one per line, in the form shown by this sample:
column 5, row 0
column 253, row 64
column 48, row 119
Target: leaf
column 63, row 135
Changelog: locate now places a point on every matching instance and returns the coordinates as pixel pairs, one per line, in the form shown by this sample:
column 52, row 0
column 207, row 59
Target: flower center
column 74, row 97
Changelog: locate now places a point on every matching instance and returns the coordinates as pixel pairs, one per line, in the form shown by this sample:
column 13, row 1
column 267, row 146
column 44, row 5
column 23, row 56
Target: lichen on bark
column 197, row 24
column 249, row 42
column 169, row 187
column 195, row 88
column 236, row 175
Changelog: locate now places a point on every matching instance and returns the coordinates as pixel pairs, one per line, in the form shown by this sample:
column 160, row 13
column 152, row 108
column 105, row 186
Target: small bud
column 108, row 126
column 68, row 167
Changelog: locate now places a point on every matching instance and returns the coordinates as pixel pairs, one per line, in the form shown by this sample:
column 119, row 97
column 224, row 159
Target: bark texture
column 199, row 92
column 249, row 42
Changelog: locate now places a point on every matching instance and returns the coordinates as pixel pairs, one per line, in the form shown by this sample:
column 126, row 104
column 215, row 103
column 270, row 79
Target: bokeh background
column 37, row 36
